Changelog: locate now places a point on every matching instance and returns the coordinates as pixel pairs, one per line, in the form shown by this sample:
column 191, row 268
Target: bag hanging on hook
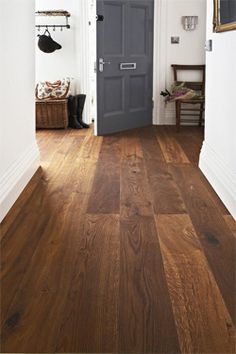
column 46, row 44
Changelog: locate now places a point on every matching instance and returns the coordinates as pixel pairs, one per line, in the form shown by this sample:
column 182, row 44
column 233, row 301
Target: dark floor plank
column 135, row 194
column 69, row 287
column 231, row 223
column 150, row 146
column 196, row 299
column 43, row 279
column 53, row 145
column 166, row 197
column 191, row 146
column 164, row 193
column 171, row 149
column 191, row 139
column 217, row 240
column 32, row 319
column 105, row 194
column 20, row 241
column 146, row 323
column 90, row 321
column 218, row 202
column 20, row 203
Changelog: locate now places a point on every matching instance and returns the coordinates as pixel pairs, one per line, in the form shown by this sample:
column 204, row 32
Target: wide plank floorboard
column 118, row 245
column 90, row 320
column 231, row 223
column 47, row 278
column 171, row 149
column 135, row 199
column 105, row 194
column 216, row 238
column 146, row 322
column 189, row 277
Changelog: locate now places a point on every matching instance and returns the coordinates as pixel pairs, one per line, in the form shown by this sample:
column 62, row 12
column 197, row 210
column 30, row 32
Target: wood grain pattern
column 93, row 299
column 189, row 142
column 217, row 201
column 20, row 203
column 216, row 238
column 189, row 277
column 135, row 194
column 47, row 277
column 231, row 223
column 150, row 146
column 105, row 194
column 144, row 300
column 91, row 148
column 81, row 264
column 171, row 149
column 18, row 243
column 166, row 196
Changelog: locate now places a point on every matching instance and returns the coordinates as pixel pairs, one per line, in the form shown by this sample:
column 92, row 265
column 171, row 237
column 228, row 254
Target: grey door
column 125, row 64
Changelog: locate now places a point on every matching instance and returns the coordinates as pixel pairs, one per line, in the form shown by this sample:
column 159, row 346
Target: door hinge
column 152, row 104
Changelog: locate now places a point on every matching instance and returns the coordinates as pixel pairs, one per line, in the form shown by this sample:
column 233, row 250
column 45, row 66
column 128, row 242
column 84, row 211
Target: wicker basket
column 51, row 114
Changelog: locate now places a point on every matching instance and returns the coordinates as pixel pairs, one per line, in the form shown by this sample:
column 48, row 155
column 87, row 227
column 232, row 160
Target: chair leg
column 201, row 114
column 178, row 110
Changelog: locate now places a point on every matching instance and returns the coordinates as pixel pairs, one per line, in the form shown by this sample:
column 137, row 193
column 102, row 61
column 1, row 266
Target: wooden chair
column 199, row 86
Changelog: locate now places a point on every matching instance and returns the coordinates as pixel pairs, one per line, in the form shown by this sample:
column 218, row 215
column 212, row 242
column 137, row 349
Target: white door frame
column 83, row 64
column 159, row 60
column 159, row 50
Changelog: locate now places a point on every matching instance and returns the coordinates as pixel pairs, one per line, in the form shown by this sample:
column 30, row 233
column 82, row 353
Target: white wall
column 61, row 63
column 190, row 50
column 72, row 60
column 18, row 149
column 218, row 156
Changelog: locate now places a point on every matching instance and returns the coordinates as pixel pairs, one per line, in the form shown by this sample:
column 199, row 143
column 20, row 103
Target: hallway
column 118, row 245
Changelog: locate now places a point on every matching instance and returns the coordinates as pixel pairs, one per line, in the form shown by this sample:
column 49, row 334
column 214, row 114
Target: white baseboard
column 220, row 176
column 16, row 178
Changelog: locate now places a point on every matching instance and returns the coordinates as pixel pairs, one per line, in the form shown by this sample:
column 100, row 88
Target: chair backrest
column 194, row 85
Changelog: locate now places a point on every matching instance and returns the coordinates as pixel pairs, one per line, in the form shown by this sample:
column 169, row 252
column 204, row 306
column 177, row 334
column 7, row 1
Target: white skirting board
column 16, row 178
column 220, row 176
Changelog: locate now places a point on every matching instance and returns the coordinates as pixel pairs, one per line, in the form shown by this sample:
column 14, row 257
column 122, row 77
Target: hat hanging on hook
column 46, row 44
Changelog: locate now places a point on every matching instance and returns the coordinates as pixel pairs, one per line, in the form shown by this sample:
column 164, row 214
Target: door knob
column 102, row 63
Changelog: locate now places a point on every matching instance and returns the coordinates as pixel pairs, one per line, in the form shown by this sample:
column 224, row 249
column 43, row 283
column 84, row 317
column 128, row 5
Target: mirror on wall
column 224, row 15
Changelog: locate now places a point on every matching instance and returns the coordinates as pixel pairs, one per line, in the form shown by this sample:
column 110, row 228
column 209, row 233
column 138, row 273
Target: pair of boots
column 75, row 108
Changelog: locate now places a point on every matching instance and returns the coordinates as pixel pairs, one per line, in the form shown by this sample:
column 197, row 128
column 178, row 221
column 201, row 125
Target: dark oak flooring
column 118, row 245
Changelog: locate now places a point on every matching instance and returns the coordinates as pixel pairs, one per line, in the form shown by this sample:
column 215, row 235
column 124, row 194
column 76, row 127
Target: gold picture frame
column 218, row 26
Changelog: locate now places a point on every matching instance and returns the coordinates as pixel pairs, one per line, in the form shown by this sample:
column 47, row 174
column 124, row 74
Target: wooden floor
column 118, row 245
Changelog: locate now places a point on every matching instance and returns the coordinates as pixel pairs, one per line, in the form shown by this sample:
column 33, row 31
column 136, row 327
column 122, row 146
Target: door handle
column 102, row 63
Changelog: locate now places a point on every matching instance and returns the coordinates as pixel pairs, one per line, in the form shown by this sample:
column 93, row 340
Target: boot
column 72, row 109
column 80, row 108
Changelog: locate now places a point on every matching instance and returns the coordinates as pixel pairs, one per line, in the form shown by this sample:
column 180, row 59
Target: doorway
column 124, row 64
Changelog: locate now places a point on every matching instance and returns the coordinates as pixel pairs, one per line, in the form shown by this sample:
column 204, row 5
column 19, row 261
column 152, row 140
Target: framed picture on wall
column 224, row 15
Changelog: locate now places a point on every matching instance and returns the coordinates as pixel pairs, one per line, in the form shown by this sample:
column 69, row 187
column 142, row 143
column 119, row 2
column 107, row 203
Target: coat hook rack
column 52, row 13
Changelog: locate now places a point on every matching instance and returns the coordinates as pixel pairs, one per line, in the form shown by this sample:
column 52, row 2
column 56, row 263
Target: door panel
column 138, row 40
column 124, row 92
column 138, row 88
column 113, row 95
column 113, row 28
